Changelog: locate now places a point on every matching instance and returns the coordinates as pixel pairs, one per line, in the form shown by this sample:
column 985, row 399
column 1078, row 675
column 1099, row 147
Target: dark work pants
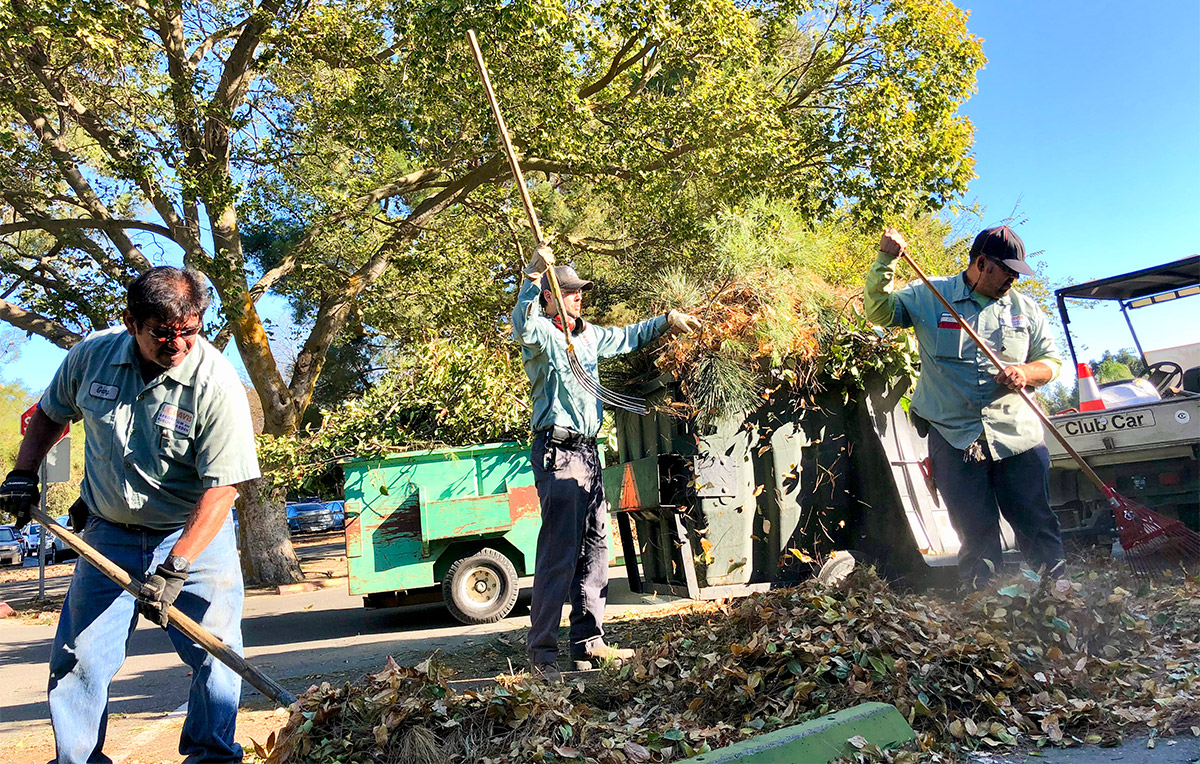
column 572, row 549
column 977, row 493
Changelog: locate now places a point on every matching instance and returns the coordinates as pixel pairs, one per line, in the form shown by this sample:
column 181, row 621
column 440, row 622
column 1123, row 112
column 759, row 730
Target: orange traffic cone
column 1089, row 393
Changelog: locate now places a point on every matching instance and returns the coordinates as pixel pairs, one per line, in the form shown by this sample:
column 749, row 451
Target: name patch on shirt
column 103, row 391
column 1015, row 322
column 174, row 418
column 947, row 321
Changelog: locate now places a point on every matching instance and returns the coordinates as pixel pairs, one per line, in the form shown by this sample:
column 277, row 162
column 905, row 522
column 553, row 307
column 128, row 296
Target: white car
column 10, row 546
column 56, row 548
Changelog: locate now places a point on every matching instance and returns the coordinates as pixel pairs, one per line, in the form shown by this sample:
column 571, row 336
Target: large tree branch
column 331, row 316
column 53, row 224
column 38, row 63
column 67, row 165
column 414, row 181
column 39, row 325
column 617, row 66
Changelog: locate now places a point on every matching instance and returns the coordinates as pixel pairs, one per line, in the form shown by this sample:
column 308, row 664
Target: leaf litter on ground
column 1026, row 662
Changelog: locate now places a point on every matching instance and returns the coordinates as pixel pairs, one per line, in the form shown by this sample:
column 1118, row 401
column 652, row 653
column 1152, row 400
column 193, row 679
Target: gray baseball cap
column 568, row 279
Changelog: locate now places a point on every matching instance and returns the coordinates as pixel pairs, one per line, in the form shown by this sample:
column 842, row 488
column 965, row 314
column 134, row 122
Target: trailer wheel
column 481, row 587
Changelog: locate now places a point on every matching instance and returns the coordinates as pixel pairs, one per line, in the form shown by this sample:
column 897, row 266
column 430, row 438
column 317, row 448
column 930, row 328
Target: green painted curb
column 819, row 741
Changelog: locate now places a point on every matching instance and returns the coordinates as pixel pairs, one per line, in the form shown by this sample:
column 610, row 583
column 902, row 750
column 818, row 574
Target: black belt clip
column 562, row 437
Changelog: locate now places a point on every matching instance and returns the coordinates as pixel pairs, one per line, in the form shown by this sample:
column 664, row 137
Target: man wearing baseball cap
column 572, row 546
column 985, row 445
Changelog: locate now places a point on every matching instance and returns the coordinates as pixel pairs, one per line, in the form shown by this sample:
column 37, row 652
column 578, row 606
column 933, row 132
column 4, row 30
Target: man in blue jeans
column 985, row 444
column 168, row 438
column 572, row 546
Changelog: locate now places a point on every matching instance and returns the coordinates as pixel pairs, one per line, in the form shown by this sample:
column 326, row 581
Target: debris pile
column 766, row 331
column 1031, row 661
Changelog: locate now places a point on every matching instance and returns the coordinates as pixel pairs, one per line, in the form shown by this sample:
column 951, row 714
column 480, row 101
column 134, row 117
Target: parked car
column 11, row 543
column 56, row 548
column 312, row 517
column 338, row 508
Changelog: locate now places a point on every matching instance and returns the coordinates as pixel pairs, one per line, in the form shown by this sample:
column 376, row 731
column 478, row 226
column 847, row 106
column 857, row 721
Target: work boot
column 600, row 655
column 546, row 672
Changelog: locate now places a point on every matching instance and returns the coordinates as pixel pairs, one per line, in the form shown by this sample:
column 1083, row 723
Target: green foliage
column 441, row 393
column 1124, row 364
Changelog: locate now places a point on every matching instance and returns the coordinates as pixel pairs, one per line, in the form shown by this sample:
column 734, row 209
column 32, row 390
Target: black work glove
column 158, row 593
column 18, row 495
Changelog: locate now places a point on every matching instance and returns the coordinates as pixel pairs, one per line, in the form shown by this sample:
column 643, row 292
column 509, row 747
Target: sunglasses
column 163, row 334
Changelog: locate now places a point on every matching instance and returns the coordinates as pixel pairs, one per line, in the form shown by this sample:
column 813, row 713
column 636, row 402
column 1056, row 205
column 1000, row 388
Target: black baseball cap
column 1004, row 246
column 568, row 279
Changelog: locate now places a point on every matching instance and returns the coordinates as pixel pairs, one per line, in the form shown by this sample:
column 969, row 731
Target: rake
column 586, row 381
column 1152, row 542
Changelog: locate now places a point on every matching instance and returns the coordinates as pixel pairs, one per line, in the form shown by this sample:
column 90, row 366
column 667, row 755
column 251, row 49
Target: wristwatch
column 177, row 563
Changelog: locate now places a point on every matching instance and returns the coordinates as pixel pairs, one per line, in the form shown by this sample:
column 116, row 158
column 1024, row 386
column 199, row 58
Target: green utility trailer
column 458, row 525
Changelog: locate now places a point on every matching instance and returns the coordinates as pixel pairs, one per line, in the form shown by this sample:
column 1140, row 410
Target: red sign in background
column 28, row 415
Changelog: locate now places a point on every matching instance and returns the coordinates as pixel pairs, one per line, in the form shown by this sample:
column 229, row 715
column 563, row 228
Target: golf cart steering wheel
column 1163, row 375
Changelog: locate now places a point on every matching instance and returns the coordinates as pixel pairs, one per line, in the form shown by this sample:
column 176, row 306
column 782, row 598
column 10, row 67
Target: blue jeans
column 977, row 493
column 97, row 619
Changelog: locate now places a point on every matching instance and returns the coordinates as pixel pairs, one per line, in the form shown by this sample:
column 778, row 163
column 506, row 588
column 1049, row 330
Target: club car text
column 1126, row 420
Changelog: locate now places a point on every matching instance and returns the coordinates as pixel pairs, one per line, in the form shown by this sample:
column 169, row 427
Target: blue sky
column 1087, row 123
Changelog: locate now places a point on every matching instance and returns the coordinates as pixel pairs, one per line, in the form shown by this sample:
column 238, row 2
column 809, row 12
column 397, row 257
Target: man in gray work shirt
column 985, row 444
column 572, row 547
column 168, row 438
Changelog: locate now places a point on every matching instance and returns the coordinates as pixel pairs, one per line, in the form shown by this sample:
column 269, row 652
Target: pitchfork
column 1151, row 541
column 586, row 380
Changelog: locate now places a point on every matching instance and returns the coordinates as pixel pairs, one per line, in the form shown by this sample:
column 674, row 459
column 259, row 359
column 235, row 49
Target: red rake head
column 1153, row 543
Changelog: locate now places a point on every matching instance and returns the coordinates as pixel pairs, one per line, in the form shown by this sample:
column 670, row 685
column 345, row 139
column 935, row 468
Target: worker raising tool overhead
column 572, row 547
column 985, row 446
column 169, row 437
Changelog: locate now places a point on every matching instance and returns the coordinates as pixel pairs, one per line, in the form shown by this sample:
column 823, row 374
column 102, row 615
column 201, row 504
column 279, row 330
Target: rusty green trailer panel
column 404, row 512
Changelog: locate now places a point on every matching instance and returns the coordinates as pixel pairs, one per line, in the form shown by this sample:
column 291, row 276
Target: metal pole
column 1125, row 312
column 42, row 535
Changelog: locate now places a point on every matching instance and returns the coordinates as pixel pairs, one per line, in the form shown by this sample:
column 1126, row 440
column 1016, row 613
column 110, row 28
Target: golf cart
column 1146, row 441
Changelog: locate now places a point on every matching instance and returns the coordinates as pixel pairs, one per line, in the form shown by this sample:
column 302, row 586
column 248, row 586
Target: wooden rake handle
column 194, row 631
column 1025, row 396
column 502, row 129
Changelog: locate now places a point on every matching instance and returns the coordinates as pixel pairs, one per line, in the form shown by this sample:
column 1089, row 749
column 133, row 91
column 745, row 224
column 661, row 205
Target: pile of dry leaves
column 1029, row 662
column 768, row 330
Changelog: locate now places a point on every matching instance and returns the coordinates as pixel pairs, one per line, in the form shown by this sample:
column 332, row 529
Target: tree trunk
column 267, row 554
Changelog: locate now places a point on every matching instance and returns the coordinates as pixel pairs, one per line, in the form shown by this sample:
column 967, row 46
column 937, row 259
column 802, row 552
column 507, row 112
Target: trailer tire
column 480, row 587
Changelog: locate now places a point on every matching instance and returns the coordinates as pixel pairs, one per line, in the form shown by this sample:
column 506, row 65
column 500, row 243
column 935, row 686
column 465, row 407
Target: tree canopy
column 342, row 154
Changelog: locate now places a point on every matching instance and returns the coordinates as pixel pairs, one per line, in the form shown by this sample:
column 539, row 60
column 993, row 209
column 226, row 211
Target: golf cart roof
column 1138, row 289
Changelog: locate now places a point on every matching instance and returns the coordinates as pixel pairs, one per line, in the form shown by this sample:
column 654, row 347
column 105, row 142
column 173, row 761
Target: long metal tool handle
column 1025, row 396
column 194, row 631
column 502, row 128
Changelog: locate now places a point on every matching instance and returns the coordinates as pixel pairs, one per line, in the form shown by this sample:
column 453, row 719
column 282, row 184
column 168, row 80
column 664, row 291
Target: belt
column 566, row 438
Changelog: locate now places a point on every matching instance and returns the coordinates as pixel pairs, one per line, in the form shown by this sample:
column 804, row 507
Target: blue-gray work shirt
column 957, row 391
column 558, row 398
column 153, row 448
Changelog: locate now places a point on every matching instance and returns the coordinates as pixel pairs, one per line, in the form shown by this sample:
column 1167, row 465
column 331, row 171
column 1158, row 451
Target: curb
column 310, row 586
column 820, row 740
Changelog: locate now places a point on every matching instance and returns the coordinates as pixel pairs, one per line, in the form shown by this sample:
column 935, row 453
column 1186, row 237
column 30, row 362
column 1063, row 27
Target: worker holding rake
column 985, row 444
column 168, row 438
column 572, row 546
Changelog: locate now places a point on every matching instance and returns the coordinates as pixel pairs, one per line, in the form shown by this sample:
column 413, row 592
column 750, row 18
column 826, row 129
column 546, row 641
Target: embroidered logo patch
column 103, row 391
column 174, row 418
column 1015, row 322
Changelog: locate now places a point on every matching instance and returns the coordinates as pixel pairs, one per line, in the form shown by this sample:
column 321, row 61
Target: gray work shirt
column 957, row 391
column 153, row 448
column 558, row 398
